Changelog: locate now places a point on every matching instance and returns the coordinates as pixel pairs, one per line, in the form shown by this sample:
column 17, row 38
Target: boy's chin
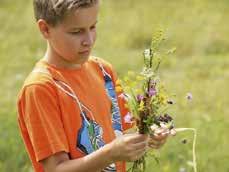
column 83, row 59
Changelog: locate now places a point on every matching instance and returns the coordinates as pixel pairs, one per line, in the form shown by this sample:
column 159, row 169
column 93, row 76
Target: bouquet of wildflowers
column 148, row 99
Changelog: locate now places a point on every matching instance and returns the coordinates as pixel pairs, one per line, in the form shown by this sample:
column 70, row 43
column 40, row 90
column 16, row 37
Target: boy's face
column 72, row 40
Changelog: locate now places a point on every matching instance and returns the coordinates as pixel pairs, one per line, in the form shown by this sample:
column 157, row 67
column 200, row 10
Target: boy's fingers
column 136, row 138
column 157, row 143
column 140, row 146
column 160, row 137
column 173, row 132
column 154, row 146
column 161, row 130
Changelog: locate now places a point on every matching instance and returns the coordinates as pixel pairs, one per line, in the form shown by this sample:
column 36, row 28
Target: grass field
column 199, row 30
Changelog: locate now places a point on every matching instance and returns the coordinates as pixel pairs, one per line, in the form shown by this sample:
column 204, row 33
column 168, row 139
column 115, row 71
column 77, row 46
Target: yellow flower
column 162, row 99
column 118, row 89
column 118, row 82
column 141, row 106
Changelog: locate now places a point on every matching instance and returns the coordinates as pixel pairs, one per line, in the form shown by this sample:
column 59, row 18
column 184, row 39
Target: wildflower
column 162, row 99
column 189, row 96
column 163, row 125
column 140, row 97
column 154, row 127
column 141, row 106
column 118, row 82
column 118, row 89
column 147, row 53
column 152, row 92
column 128, row 118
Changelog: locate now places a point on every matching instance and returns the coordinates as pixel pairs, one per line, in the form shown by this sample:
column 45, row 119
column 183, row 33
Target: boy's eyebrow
column 76, row 28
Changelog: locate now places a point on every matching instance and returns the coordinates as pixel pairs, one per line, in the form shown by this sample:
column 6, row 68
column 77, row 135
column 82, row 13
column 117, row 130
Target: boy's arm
column 60, row 162
column 128, row 147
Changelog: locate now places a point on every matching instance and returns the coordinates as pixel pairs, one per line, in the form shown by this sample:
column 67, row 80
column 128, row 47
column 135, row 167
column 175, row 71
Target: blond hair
column 54, row 11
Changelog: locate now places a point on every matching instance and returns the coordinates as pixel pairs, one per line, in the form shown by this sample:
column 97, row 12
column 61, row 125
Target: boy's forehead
column 82, row 17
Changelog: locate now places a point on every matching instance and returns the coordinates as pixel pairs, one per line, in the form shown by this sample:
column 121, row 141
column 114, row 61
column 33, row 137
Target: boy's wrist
column 109, row 153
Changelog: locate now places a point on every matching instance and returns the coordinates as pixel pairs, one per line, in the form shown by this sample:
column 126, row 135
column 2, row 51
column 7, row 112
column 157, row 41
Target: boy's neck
column 55, row 60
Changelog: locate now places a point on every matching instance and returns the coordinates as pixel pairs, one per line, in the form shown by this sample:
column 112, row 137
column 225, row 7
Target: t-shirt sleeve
column 42, row 118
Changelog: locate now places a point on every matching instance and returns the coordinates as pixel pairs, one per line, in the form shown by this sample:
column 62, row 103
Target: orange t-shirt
column 69, row 110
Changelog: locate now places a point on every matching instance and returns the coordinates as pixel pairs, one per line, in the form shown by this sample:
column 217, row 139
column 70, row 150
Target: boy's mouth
column 85, row 52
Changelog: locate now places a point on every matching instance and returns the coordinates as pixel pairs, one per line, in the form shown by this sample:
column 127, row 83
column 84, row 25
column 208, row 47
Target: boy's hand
column 129, row 147
column 159, row 138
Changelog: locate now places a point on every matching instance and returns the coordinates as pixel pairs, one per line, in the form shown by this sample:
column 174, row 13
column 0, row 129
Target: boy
column 70, row 117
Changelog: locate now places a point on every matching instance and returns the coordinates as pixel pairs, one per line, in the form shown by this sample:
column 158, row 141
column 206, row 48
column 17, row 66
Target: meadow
column 199, row 31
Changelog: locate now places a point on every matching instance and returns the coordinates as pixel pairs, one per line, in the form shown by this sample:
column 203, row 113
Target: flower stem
column 194, row 144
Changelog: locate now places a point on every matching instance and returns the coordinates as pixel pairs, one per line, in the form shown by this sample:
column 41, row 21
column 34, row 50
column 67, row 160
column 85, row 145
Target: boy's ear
column 44, row 28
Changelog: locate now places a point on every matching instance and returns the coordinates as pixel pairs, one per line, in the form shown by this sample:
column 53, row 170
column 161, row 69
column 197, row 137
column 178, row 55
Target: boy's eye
column 93, row 27
column 76, row 32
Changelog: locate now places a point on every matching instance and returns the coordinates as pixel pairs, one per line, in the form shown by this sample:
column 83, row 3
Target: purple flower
column 189, row 96
column 140, row 97
column 152, row 92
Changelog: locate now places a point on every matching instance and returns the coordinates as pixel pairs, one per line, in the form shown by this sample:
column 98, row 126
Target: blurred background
column 199, row 29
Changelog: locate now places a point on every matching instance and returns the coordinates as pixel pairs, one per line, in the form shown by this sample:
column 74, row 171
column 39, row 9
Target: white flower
column 153, row 127
column 147, row 53
column 163, row 125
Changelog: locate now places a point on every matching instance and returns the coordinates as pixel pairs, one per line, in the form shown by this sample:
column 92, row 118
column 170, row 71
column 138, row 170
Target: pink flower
column 128, row 118
column 140, row 97
column 152, row 92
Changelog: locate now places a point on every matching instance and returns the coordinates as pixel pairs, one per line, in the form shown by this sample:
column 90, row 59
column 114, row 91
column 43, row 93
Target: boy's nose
column 88, row 40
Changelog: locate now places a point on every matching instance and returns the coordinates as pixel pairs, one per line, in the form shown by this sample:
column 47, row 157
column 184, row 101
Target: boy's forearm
column 95, row 162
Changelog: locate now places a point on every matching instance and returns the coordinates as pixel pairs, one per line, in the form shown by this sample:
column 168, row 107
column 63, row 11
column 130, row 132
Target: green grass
column 199, row 30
